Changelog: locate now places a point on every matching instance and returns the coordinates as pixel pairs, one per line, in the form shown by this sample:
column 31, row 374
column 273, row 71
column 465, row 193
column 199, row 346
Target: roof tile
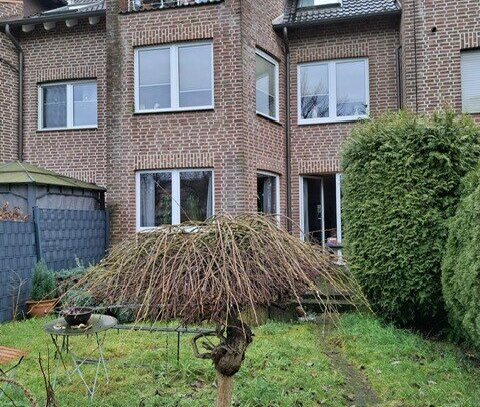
column 349, row 9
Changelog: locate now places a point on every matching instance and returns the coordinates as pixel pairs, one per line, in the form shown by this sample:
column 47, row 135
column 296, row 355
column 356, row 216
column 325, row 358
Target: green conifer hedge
column 402, row 176
column 461, row 265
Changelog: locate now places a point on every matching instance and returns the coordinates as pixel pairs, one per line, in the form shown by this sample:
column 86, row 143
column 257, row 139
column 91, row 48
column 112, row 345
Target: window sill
column 270, row 119
column 63, row 129
column 171, row 228
column 172, row 111
column 331, row 121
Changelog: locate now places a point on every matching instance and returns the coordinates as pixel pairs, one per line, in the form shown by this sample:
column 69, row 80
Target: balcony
column 137, row 5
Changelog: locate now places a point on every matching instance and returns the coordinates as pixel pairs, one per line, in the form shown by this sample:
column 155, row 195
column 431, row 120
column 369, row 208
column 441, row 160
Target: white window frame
column 174, row 78
column 277, row 190
column 70, row 104
column 463, row 54
column 275, row 63
column 332, row 92
column 175, row 180
column 338, row 197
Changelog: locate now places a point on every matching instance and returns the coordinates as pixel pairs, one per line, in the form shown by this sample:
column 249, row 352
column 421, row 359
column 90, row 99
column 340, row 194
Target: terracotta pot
column 38, row 309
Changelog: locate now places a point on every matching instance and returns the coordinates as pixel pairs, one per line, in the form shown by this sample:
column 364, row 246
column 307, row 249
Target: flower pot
column 38, row 309
column 77, row 316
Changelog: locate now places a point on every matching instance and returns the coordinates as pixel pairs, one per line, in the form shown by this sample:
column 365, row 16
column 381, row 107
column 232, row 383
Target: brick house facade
column 411, row 55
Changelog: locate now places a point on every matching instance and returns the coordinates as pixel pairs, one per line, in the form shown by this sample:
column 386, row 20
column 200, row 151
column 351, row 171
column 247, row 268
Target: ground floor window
column 268, row 193
column 321, row 218
column 173, row 197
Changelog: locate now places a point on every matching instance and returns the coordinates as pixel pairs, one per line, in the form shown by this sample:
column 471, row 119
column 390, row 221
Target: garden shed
column 67, row 224
column 26, row 186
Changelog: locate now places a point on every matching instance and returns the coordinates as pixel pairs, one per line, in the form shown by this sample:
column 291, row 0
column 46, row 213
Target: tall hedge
column 401, row 184
column 461, row 265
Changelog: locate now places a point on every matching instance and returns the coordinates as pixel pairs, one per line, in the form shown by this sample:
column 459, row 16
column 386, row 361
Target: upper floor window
column 173, row 197
column 174, row 77
column 470, row 61
column 312, row 3
column 266, row 71
column 67, row 105
column 333, row 91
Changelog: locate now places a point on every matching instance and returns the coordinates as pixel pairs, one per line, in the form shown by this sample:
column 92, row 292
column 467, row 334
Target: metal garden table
column 61, row 332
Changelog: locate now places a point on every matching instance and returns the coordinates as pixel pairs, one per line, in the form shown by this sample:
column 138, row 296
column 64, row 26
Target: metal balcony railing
column 159, row 4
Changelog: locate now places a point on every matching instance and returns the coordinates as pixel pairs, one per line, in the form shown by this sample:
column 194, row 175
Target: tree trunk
column 227, row 357
column 225, row 390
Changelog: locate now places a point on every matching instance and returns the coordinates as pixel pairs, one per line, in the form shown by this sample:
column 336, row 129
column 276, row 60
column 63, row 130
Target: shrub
column 72, row 295
column 461, row 265
column 44, row 286
column 402, row 176
column 68, row 278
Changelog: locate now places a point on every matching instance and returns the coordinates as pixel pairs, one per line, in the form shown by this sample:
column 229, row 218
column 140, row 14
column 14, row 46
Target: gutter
column 19, row 49
column 337, row 20
column 52, row 18
column 287, row 131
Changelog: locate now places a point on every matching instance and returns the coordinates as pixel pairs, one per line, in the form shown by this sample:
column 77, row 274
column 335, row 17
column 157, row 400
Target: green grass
column 407, row 370
column 284, row 367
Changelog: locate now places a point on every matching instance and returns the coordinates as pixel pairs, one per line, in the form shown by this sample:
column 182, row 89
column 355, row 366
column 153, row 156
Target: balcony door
column 321, row 216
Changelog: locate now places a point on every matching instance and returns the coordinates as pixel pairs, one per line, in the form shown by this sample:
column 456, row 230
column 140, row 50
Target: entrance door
column 321, row 210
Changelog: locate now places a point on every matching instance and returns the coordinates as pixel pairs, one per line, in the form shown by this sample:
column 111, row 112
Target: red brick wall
column 59, row 55
column 8, row 101
column 433, row 34
column 265, row 139
column 316, row 148
column 198, row 139
column 231, row 139
column 8, row 89
column 10, row 8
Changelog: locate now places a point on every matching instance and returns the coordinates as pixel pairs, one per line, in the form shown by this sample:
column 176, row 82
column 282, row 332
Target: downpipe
column 19, row 49
column 287, row 132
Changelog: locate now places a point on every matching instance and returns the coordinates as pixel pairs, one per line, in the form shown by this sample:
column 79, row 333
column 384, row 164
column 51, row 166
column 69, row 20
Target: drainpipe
column 20, row 89
column 399, row 79
column 287, row 131
column 415, row 53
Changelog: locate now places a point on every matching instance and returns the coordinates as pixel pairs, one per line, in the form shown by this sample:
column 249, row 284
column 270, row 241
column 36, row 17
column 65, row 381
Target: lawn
column 406, row 370
column 285, row 366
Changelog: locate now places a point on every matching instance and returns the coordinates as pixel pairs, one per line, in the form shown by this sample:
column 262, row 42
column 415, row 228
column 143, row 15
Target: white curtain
column 306, row 226
column 147, row 200
column 209, row 195
column 267, row 195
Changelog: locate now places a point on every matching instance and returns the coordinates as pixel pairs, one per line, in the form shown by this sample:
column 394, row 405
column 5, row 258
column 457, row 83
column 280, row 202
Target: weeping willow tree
column 213, row 272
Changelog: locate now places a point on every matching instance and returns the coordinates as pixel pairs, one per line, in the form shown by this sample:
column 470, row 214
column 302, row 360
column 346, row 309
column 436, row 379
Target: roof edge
column 282, row 25
column 52, row 18
column 35, row 170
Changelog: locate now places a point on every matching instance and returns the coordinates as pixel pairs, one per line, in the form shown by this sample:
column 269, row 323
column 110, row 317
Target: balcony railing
column 162, row 4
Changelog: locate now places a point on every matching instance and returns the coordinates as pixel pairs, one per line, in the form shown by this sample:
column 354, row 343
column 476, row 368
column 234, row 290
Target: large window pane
column 195, row 69
column 155, row 199
column 314, row 91
column 195, row 195
column 55, row 106
column 267, row 194
column 85, row 104
column 351, row 97
column 266, row 81
column 470, row 67
column 154, row 79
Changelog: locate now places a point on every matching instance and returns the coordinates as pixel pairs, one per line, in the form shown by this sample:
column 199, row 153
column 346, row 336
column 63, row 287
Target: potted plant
column 44, row 290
